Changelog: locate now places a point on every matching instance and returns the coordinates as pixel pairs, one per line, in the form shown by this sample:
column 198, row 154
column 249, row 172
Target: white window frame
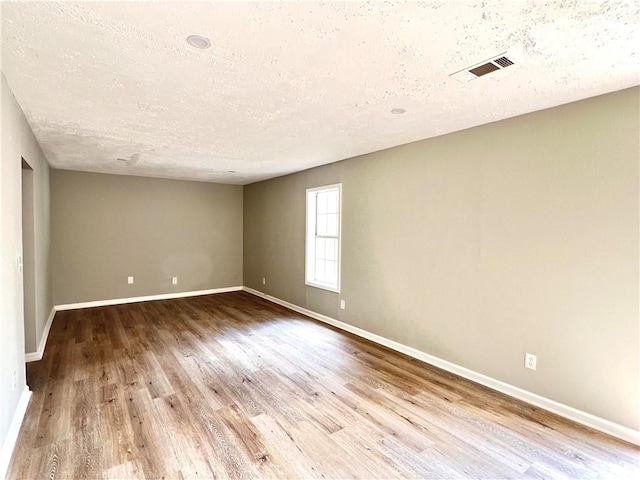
column 310, row 243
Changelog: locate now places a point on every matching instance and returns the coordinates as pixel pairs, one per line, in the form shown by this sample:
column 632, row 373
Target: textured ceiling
column 288, row 86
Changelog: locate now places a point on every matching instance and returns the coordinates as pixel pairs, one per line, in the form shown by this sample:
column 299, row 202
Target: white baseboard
column 37, row 355
column 12, row 434
column 162, row 296
column 578, row 416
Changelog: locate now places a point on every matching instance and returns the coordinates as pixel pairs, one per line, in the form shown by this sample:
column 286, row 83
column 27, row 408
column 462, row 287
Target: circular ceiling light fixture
column 398, row 111
column 198, row 41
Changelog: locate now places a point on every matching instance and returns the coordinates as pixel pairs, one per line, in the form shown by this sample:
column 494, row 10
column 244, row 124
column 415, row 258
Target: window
column 323, row 237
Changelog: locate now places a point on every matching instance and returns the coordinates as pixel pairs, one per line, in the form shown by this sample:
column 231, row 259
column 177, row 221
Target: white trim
column 37, row 355
column 14, row 429
column 147, row 298
column 578, row 416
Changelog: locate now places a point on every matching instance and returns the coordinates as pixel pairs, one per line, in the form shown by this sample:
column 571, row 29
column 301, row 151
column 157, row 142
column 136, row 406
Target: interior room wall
column 478, row 246
column 18, row 142
column 109, row 227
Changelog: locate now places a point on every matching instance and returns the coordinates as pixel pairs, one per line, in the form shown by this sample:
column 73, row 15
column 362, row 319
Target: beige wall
column 476, row 247
column 18, row 142
column 109, row 227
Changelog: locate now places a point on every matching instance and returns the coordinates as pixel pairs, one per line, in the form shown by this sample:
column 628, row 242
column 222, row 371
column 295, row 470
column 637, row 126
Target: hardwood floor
column 231, row 386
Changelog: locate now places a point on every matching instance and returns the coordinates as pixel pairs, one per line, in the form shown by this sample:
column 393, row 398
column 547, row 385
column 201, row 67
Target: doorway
column 28, row 258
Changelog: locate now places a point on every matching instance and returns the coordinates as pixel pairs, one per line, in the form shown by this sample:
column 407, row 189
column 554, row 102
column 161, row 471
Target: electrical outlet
column 174, row 280
column 129, row 280
column 342, row 305
column 530, row 361
column 264, row 280
column 14, row 380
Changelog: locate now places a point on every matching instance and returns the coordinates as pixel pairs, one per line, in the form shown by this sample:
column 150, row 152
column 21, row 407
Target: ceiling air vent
column 479, row 69
column 503, row 62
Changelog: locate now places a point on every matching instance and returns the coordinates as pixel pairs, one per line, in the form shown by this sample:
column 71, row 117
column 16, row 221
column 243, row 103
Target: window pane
column 320, row 270
column 332, row 224
column 331, row 272
column 332, row 201
column 320, row 248
column 331, row 249
column 322, row 200
column 321, row 228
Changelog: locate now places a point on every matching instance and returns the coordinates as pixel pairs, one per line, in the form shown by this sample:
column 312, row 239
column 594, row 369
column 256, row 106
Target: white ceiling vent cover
column 479, row 69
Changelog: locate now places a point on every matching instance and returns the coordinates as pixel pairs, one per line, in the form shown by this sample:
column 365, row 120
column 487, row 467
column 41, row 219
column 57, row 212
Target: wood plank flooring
column 231, row 386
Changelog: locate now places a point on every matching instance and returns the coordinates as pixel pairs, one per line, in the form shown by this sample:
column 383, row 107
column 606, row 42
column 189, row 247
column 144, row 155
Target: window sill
column 323, row 286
